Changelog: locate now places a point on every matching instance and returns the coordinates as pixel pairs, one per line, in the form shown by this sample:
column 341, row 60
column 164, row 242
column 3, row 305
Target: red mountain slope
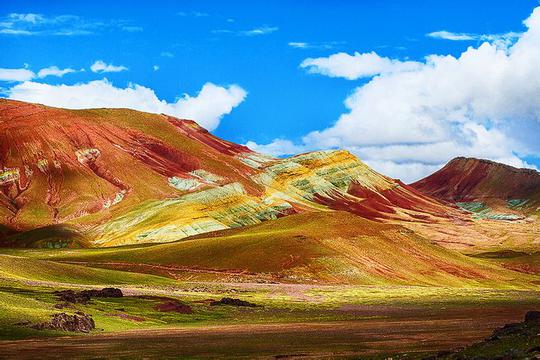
column 57, row 164
column 120, row 176
column 468, row 179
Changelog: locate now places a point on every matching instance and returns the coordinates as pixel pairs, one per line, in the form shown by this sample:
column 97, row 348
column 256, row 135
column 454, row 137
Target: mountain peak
column 471, row 161
column 467, row 179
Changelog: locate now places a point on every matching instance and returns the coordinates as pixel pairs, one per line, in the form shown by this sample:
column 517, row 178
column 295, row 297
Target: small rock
column 233, row 302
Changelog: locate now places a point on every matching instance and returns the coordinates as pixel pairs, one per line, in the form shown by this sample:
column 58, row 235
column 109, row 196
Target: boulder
column 82, row 297
column 70, row 296
column 105, row 293
column 79, row 322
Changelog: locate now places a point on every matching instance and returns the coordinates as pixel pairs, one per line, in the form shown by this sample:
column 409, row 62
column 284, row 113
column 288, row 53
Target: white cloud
column 207, row 107
column 16, row 74
column 277, row 147
column 30, row 18
column 155, row 67
column 54, row 71
column 316, row 45
column 167, row 54
column 262, row 30
column 298, row 44
column 101, row 67
column 448, row 35
column 406, row 121
column 26, row 24
column 25, row 74
column 15, row 32
column 407, row 172
column 356, row 66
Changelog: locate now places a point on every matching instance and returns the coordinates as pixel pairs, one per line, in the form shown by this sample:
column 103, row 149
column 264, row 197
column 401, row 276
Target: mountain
column 107, row 177
column 467, row 179
column 476, row 184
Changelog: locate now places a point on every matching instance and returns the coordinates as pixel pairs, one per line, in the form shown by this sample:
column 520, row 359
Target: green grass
column 481, row 211
column 26, row 269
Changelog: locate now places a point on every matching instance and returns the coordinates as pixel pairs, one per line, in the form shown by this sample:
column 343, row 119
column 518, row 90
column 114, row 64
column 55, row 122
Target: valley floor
column 290, row 320
column 376, row 332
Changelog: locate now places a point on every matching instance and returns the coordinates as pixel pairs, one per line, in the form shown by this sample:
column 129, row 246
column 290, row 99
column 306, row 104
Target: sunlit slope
column 169, row 220
column 28, row 270
column 316, row 181
column 339, row 180
column 59, row 165
column 331, row 247
column 119, row 177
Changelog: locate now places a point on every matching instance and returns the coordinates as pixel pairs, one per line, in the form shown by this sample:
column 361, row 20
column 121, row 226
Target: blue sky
column 175, row 48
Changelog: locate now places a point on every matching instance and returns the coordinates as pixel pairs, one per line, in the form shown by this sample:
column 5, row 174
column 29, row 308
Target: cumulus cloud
column 408, row 120
column 356, row 66
column 102, row 67
column 207, row 107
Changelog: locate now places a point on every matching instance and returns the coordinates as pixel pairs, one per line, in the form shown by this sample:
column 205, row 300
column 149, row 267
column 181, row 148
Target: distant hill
column 468, row 179
column 475, row 184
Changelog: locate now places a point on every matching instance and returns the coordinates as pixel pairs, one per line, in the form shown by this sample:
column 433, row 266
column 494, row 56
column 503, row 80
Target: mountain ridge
column 119, row 177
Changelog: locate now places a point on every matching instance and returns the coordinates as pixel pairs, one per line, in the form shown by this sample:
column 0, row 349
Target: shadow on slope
column 51, row 237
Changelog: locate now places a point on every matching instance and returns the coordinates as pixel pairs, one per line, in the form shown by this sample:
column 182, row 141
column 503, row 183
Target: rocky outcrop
column 82, row 297
column 79, row 322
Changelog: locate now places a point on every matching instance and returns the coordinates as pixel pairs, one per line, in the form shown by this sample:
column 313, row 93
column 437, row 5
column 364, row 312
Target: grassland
column 309, row 248
column 321, row 289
